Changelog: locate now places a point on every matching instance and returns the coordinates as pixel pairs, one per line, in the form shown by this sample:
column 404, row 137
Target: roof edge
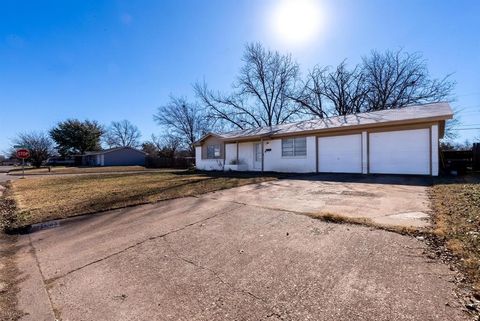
column 106, row 151
column 337, row 129
column 204, row 137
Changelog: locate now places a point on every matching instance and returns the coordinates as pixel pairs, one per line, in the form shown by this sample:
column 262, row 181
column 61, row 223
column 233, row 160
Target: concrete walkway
column 206, row 259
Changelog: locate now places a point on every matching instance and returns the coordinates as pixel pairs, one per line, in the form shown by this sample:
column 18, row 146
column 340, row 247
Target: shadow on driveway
column 410, row 180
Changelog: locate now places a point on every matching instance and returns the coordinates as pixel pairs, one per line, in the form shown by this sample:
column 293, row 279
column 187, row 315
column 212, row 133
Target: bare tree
column 396, row 79
column 310, row 95
column 182, row 119
column 38, row 143
column 166, row 145
column 261, row 94
column 345, row 89
column 338, row 92
column 149, row 148
column 122, row 134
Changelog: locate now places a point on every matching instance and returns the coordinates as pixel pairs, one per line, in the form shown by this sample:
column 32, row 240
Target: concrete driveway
column 4, row 177
column 387, row 200
column 208, row 259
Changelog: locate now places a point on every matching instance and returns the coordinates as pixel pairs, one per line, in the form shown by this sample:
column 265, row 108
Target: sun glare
column 296, row 22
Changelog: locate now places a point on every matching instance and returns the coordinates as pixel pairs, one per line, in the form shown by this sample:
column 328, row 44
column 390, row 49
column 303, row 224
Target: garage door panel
column 400, row 152
column 340, row 154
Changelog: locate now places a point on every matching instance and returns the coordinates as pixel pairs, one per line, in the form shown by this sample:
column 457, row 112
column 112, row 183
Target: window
column 294, row 147
column 213, row 151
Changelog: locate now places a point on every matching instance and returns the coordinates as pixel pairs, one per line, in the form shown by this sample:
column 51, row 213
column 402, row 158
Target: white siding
column 273, row 160
column 207, row 164
column 400, row 152
column 340, row 154
column 435, row 156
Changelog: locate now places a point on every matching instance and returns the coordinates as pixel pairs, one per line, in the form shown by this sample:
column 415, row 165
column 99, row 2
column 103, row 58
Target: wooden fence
column 461, row 160
column 163, row 162
column 476, row 156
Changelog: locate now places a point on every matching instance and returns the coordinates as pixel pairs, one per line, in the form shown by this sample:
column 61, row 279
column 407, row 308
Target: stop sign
column 23, row 153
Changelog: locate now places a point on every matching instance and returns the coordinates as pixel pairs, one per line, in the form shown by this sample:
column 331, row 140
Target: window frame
column 294, row 152
column 215, row 147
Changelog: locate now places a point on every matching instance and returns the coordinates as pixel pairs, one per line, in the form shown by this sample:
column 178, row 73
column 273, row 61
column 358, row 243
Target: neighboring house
column 61, row 161
column 120, row 156
column 396, row 141
column 10, row 162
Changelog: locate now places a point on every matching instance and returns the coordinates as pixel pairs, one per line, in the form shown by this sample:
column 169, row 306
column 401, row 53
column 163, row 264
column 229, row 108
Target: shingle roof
column 416, row 113
column 104, row 151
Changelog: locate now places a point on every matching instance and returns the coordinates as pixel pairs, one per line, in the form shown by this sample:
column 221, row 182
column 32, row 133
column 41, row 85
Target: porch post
column 364, row 152
column 224, row 155
column 237, row 152
column 262, row 153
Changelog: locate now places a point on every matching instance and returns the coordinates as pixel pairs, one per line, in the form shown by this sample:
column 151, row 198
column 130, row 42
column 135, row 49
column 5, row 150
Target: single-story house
column 395, row 141
column 119, row 156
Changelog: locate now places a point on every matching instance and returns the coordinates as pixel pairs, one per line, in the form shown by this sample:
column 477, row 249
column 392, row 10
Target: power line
column 469, row 94
column 464, row 107
column 468, row 112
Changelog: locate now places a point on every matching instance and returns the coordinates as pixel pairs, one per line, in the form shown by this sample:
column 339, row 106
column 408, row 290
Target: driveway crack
column 274, row 311
column 51, row 280
column 215, row 274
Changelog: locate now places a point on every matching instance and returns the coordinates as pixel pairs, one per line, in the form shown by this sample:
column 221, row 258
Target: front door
column 257, row 156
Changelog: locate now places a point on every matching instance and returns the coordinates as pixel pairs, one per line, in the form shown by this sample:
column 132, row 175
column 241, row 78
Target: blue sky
column 114, row 60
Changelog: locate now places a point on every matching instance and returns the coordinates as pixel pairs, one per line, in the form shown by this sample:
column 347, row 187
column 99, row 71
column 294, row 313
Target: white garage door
column 340, row 154
column 400, row 152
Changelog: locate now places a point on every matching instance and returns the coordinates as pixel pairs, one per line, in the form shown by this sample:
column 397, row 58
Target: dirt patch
column 8, row 269
column 8, row 216
column 456, row 216
column 8, row 279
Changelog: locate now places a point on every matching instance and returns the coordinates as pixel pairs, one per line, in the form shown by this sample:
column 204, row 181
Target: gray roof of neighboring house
column 410, row 114
column 105, row 151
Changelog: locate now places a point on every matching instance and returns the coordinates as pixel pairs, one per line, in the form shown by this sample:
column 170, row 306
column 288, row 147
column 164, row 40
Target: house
column 119, row 156
column 396, row 141
column 10, row 162
column 60, row 161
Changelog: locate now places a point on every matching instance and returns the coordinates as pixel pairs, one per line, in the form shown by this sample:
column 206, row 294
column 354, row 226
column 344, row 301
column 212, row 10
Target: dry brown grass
column 9, row 275
column 341, row 219
column 456, row 208
column 47, row 198
column 77, row 170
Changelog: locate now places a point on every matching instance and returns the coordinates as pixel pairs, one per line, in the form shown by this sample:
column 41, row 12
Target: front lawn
column 456, row 206
column 75, row 170
column 48, row 198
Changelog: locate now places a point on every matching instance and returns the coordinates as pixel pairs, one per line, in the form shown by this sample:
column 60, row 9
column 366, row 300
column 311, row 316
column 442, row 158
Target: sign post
column 23, row 154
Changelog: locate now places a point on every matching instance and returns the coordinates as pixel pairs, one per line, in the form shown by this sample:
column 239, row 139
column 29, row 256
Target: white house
column 396, row 141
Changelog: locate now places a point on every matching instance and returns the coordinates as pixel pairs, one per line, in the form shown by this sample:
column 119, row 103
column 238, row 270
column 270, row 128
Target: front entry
column 257, row 156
